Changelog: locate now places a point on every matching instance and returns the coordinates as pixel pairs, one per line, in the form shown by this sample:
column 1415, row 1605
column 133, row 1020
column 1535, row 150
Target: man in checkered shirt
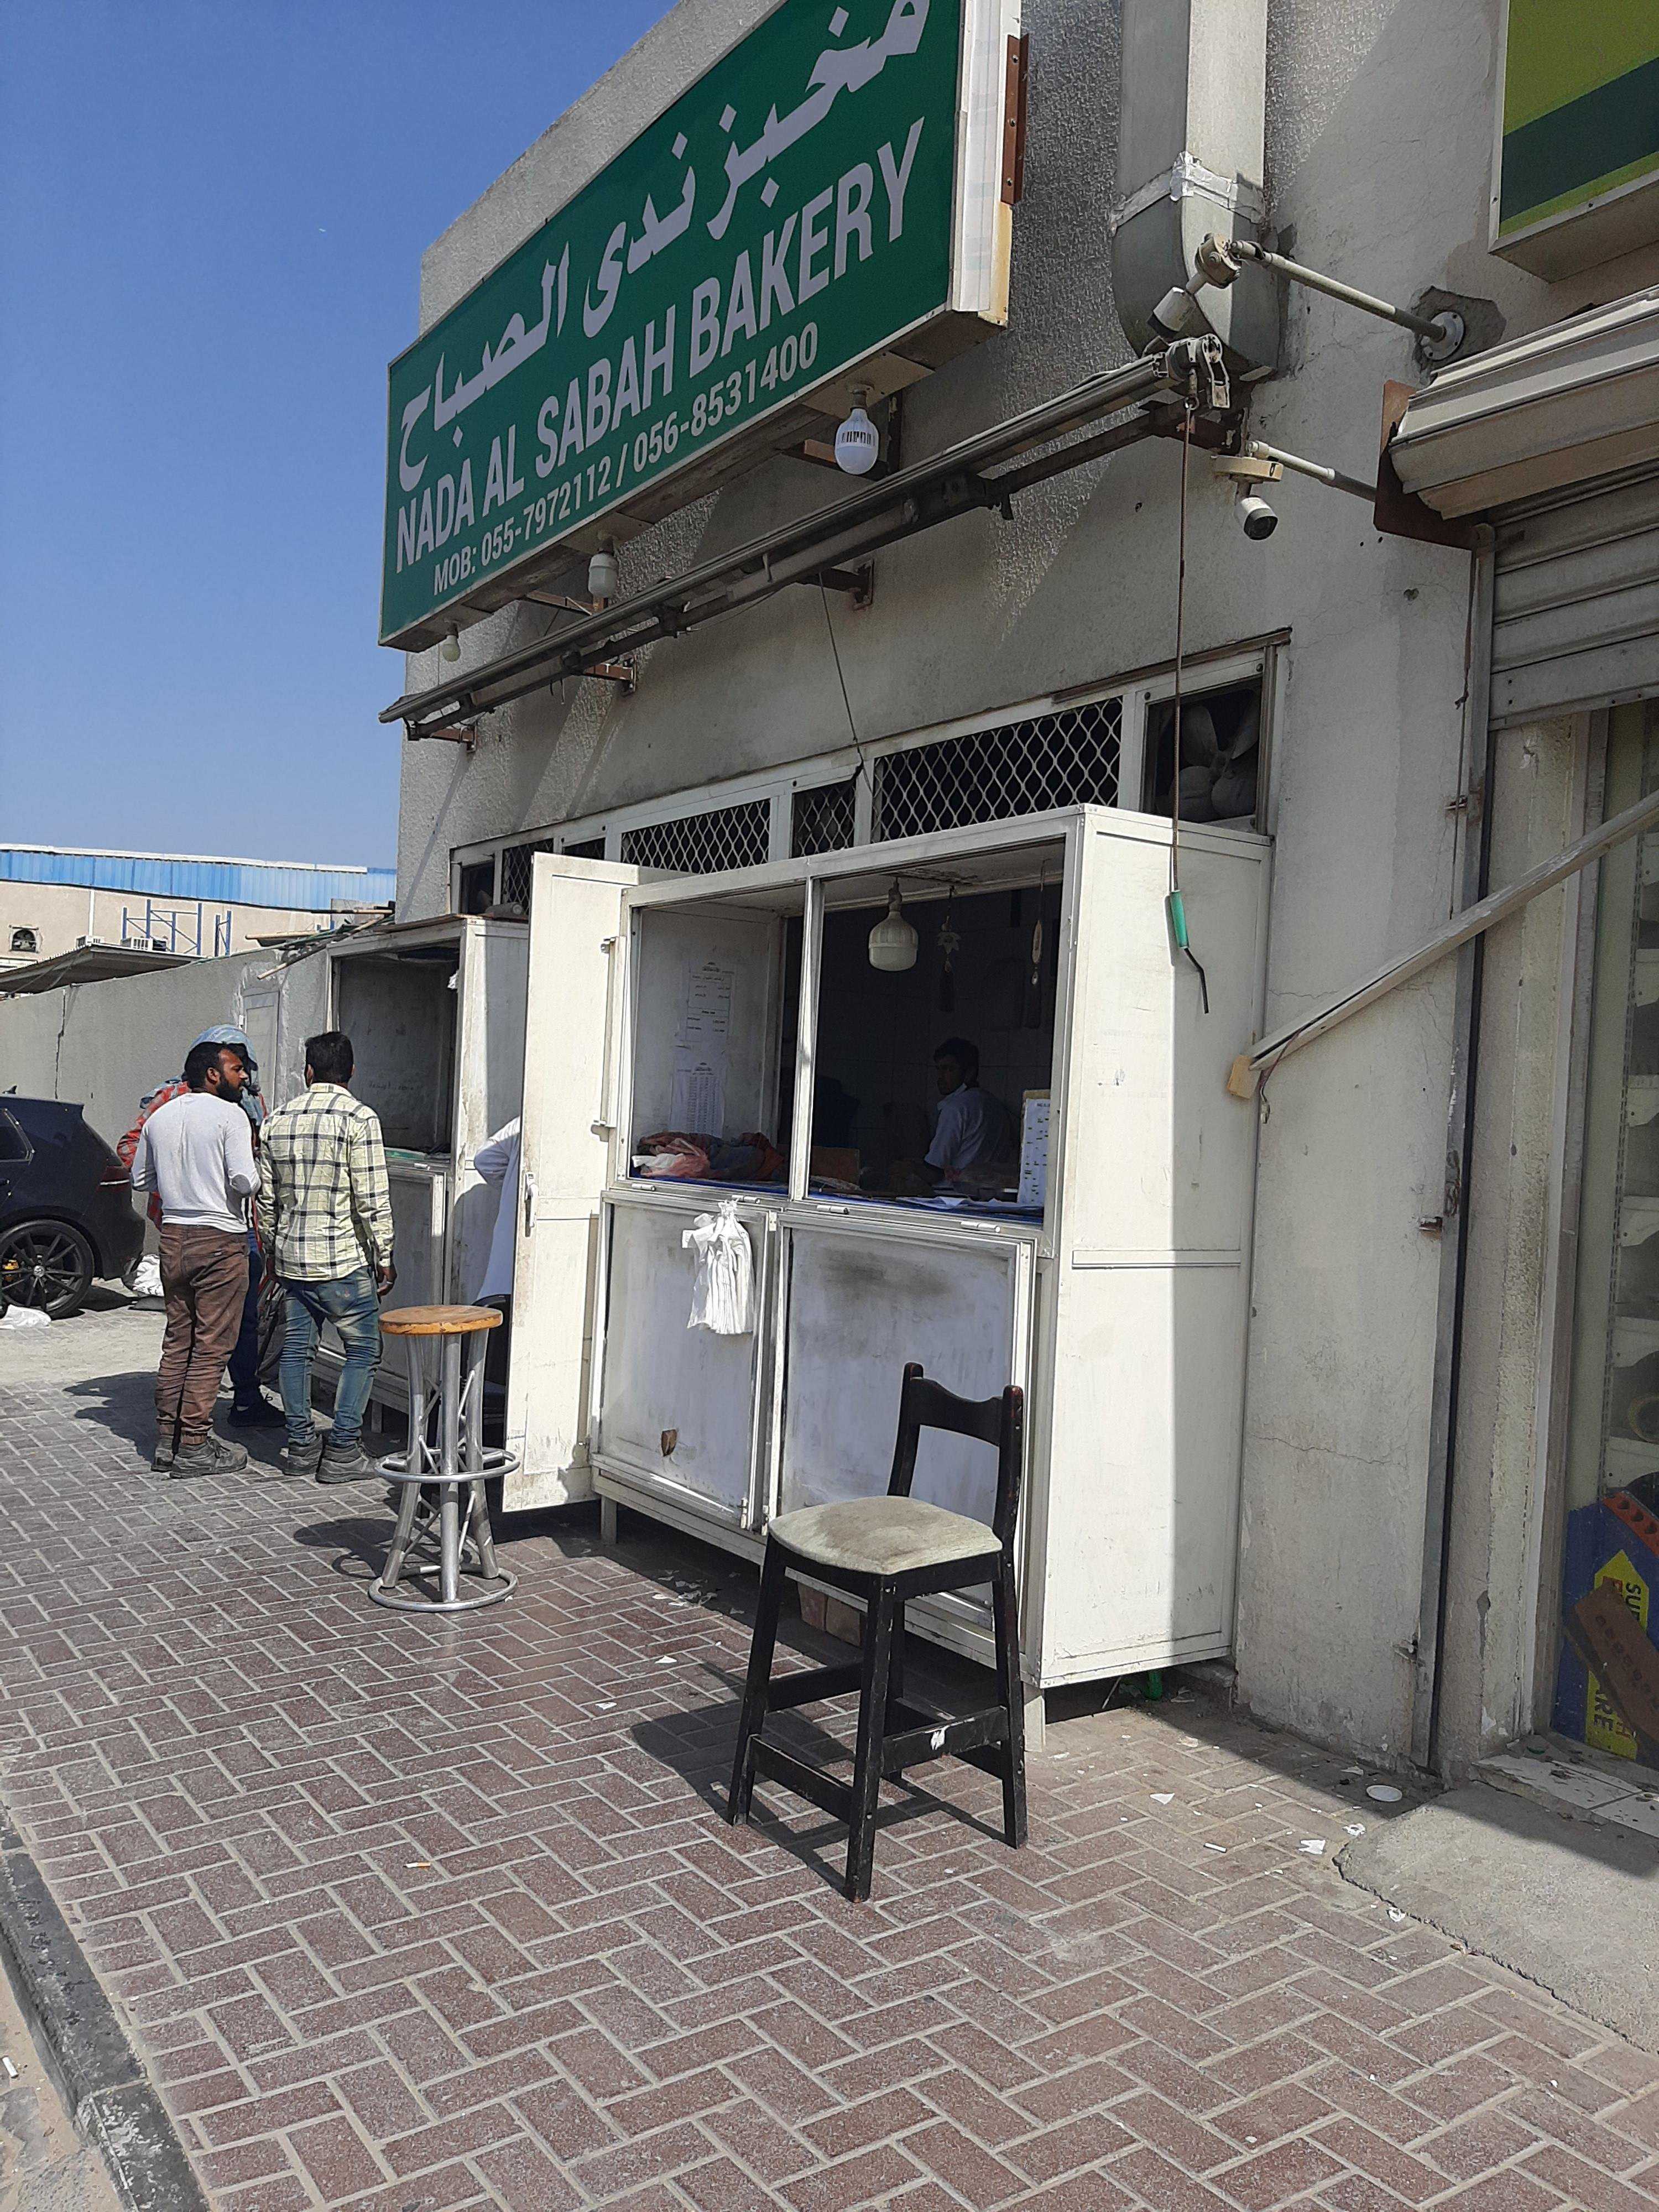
column 325, row 1224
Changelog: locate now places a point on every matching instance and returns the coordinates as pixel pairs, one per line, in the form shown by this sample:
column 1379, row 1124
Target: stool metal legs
column 456, row 1460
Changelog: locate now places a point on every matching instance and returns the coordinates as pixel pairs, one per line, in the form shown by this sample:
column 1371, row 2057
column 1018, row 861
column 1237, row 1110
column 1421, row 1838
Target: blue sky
column 211, row 218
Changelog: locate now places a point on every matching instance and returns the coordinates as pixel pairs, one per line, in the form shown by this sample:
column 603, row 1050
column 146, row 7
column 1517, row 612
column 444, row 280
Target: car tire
column 48, row 1264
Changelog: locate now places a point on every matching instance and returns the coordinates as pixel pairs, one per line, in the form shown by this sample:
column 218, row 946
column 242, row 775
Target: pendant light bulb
column 893, row 941
column 858, row 442
column 451, row 647
column 601, row 574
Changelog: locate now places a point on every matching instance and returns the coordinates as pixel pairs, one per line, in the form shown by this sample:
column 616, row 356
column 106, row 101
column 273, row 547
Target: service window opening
column 718, row 984
column 399, row 1011
column 932, row 1082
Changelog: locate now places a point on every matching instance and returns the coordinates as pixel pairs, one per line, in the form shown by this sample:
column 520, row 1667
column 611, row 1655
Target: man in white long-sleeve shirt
column 196, row 1153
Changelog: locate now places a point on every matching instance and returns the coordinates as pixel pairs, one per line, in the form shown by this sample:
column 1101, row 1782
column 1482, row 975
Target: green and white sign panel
column 1577, row 174
column 829, row 185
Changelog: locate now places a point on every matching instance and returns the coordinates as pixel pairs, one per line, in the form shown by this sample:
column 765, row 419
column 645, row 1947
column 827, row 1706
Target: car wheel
column 48, row 1264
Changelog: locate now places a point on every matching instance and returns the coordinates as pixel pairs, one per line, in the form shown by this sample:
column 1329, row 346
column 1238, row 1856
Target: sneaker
column 301, row 1459
column 213, row 1455
column 349, row 1463
column 167, row 1448
column 255, row 1412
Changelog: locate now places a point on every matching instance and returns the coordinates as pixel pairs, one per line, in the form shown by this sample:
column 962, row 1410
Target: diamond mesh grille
column 588, row 848
column 822, row 819
column 515, row 871
column 703, row 844
column 1069, row 758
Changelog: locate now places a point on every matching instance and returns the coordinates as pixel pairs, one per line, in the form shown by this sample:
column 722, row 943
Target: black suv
column 66, row 1209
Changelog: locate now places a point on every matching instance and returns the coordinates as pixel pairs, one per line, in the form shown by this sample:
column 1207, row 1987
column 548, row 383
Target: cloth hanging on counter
column 720, row 1299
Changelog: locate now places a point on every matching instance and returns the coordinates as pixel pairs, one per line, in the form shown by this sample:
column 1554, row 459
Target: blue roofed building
column 55, row 899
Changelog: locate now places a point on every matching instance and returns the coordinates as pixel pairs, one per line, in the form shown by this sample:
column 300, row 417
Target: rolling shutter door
column 1576, row 608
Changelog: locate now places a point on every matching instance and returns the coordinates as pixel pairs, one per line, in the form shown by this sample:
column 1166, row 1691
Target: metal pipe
column 885, row 509
column 449, row 1464
column 1316, row 470
column 1316, row 281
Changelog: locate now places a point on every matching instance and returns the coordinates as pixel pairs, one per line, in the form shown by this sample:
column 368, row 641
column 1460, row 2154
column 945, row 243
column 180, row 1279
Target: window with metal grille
column 1065, row 759
column 703, row 844
column 589, row 848
column 821, row 819
column 515, row 873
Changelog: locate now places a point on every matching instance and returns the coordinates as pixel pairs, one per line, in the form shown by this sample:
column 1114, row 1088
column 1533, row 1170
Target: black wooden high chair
column 887, row 1550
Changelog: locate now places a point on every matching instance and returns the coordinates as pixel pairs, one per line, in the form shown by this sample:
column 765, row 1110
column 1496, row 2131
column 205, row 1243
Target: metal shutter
column 1576, row 604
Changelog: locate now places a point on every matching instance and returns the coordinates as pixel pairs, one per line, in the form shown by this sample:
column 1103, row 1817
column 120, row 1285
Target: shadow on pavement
column 124, row 1407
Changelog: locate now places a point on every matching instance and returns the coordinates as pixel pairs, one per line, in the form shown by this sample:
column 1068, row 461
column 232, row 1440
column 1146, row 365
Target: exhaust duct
column 1190, row 161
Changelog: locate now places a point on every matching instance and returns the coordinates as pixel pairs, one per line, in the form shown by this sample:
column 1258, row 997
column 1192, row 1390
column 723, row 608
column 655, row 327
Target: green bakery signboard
column 1575, row 179
column 829, row 186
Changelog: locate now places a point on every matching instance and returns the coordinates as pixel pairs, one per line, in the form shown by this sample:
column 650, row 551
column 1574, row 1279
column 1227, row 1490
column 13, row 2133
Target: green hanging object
column 1175, row 911
column 1175, row 914
column 1154, row 1688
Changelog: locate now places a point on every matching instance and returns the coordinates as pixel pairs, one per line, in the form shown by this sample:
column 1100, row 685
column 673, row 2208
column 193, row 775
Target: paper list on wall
column 1034, row 1150
column 703, row 1048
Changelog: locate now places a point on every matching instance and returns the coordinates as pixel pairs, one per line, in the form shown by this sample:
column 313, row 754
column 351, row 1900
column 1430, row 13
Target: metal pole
column 1316, row 470
column 1367, row 302
column 449, row 1554
column 888, row 508
column 1472, row 922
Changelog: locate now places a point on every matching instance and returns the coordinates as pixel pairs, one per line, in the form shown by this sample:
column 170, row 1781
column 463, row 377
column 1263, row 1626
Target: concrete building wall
column 1512, row 1364
column 106, row 1045
column 62, row 914
column 1380, row 126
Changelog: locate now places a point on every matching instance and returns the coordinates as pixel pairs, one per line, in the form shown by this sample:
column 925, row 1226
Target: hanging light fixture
column 858, row 442
column 893, row 941
column 451, row 647
column 603, row 576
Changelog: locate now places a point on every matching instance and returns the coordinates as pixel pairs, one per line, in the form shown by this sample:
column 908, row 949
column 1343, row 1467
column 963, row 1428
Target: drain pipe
column 1454, row 1226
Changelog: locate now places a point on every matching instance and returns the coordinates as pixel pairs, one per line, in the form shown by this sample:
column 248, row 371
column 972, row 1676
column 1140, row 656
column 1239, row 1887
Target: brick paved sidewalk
column 420, row 1917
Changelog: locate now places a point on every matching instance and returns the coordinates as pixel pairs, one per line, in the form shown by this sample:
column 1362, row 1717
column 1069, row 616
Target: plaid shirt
column 325, row 1202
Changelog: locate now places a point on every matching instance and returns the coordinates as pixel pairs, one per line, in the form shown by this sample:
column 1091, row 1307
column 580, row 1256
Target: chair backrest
column 999, row 1421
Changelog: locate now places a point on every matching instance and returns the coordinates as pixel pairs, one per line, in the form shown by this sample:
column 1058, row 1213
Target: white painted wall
column 1379, row 133
column 106, row 1045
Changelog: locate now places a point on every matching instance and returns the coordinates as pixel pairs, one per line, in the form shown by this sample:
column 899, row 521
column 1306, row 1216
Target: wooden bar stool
column 885, row 1551
column 446, row 1449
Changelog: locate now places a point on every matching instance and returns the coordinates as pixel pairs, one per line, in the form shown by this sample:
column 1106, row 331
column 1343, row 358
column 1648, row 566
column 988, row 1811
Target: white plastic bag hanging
column 720, row 1301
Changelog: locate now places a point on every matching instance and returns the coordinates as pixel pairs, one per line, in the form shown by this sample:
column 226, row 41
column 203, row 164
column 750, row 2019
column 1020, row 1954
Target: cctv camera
column 1177, row 311
column 1256, row 518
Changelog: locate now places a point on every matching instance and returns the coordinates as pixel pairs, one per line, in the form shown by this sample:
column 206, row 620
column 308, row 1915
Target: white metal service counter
column 740, row 1013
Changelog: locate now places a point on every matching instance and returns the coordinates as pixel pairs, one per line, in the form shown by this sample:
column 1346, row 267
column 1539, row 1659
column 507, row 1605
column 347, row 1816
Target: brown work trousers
column 204, row 1285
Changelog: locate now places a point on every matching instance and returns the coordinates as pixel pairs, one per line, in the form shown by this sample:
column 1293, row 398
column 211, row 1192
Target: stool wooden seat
column 447, row 1451
column 438, row 1321
column 887, row 1550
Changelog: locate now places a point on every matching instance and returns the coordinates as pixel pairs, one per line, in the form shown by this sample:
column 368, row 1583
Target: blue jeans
column 350, row 1303
column 245, row 1360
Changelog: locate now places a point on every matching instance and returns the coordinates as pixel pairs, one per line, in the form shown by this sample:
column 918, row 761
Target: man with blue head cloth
column 250, row 1409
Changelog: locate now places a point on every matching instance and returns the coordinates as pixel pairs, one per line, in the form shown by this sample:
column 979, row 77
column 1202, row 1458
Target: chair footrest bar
column 812, row 1683
column 957, row 1739
column 818, row 1789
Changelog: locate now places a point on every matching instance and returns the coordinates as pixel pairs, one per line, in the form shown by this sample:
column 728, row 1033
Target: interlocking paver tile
column 403, row 1913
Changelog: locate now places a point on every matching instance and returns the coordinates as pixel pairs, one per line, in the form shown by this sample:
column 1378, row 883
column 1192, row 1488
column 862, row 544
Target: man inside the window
column 971, row 1129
